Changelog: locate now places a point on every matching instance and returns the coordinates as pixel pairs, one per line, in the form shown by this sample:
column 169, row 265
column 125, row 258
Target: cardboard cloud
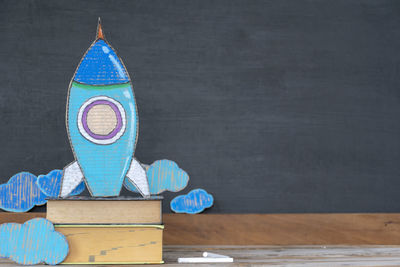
column 194, row 202
column 20, row 193
column 163, row 175
column 33, row 242
column 50, row 184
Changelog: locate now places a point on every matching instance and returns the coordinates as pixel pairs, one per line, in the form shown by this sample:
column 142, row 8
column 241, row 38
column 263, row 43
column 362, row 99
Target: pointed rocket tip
column 99, row 34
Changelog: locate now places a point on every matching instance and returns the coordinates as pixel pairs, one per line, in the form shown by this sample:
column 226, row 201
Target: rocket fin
column 137, row 176
column 72, row 177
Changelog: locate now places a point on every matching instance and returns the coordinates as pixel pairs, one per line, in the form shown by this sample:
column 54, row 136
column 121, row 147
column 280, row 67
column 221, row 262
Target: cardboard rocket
column 102, row 125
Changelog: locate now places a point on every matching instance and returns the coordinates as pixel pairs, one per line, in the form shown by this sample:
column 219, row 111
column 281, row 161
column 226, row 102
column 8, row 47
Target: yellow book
column 113, row 244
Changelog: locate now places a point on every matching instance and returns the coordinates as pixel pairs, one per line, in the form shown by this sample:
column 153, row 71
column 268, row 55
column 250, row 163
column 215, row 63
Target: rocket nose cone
column 101, row 66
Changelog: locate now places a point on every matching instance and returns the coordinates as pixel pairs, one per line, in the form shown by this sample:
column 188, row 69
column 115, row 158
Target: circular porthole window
column 102, row 120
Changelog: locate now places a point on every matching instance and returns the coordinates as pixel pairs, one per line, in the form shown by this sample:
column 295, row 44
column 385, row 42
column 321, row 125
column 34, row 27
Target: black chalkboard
column 271, row 106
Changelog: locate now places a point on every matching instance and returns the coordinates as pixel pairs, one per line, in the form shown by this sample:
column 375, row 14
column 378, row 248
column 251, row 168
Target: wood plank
column 282, row 229
column 271, row 229
column 6, row 217
column 295, row 256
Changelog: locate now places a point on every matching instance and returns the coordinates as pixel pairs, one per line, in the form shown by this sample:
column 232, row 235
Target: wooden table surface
column 283, row 256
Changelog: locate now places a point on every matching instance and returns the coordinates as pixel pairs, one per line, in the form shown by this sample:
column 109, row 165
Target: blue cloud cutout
column 21, row 193
column 194, row 202
column 50, row 184
column 33, row 242
column 163, row 175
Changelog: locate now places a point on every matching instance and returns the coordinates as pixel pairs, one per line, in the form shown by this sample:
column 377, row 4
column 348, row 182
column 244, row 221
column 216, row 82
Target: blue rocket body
column 102, row 119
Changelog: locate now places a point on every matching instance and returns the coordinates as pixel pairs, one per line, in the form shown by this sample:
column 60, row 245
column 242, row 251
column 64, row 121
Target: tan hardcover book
column 85, row 210
column 113, row 244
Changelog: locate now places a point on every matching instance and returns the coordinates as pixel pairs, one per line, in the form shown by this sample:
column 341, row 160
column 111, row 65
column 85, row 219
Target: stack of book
column 109, row 230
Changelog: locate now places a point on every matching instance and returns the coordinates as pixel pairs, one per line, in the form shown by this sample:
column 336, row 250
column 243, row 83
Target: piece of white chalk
column 204, row 260
column 213, row 255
